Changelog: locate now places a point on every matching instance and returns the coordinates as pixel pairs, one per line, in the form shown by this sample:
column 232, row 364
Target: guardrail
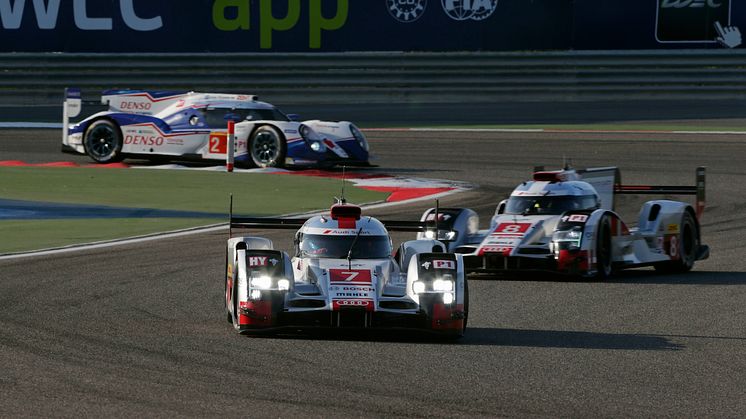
column 39, row 79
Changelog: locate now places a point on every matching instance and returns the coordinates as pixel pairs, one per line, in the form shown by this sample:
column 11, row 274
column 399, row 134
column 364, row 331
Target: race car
column 563, row 221
column 343, row 275
column 189, row 125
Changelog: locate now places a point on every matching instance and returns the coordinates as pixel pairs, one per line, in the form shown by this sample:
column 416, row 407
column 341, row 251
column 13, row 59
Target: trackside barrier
column 345, row 78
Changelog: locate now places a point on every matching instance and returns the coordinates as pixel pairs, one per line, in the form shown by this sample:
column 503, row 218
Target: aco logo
column 406, row 11
column 469, row 9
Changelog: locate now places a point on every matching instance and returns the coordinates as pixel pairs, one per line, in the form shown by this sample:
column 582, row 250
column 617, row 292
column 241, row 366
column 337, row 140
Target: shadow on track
column 486, row 336
column 631, row 277
column 566, row 339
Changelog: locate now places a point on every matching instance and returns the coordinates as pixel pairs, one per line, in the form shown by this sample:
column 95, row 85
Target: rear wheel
column 684, row 246
column 103, row 142
column 603, row 249
column 267, row 147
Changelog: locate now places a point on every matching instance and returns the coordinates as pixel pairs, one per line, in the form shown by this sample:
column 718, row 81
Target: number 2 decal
column 215, row 145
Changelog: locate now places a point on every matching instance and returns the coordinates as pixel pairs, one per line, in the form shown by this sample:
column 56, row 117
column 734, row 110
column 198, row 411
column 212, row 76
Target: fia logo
column 469, row 9
column 406, row 11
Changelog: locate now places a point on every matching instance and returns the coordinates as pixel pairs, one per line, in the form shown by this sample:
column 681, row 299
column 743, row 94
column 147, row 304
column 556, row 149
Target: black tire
column 103, row 142
column 267, row 147
column 687, row 246
column 604, row 269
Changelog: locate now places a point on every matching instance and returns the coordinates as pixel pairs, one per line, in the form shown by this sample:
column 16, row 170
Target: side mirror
column 501, row 207
column 294, row 117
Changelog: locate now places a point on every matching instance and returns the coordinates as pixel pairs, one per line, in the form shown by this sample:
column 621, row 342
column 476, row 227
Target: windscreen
column 549, row 205
column 337, row 247
column 218, row 118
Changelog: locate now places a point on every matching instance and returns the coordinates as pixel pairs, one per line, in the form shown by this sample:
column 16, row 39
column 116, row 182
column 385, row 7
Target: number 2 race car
column 343, row 276
column 188, row 125
column 563, row 222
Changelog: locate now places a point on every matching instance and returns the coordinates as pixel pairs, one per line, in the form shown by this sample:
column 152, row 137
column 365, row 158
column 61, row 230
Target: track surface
column 139, row 330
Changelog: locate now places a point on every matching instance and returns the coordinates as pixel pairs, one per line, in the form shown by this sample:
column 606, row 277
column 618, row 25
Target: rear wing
column 698, row 190
column 262, row 223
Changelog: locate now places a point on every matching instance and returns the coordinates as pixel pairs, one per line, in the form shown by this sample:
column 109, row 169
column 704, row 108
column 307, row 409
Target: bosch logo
column 135, row 106
column 694, row 4
column 469, row 9
column 406, row 11
column 353, row 303
column 143, row 140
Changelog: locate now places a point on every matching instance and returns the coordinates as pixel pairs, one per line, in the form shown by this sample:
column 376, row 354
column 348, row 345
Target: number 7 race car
column 563, row 222
column 188, row 125
column 343, row 276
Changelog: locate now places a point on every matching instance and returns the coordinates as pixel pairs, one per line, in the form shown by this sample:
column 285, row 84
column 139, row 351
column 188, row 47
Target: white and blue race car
column 193, row 126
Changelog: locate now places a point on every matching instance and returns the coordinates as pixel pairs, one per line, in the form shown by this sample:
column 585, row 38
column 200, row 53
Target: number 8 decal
column 674, row 247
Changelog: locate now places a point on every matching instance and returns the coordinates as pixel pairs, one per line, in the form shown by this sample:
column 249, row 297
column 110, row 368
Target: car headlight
column 442, row 285
column 447, row 298
column 567, row 239
column 261, row 282
column 359, row 137
column 418, row 287
column 283, row 285
column 318, row 146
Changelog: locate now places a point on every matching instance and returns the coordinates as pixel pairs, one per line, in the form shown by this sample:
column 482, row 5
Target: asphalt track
column 139, row 330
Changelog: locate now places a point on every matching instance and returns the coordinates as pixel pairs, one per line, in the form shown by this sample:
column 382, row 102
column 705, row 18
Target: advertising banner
column 195, row 26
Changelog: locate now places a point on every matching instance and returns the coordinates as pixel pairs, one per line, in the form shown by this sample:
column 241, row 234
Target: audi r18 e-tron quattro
column 564, row 222
column 343, row 275
column 188, row 125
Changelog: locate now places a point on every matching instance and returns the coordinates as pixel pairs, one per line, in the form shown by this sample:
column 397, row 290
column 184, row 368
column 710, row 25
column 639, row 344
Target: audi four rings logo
column 406, row 10
column 357, row 303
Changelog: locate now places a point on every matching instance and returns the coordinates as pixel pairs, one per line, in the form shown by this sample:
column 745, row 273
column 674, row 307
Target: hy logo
column 406, row 11
column 694, row 4
column 469, row 9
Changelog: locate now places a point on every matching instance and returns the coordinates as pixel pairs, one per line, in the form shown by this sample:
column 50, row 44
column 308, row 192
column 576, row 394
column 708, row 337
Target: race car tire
column 688, row 243
column 267, row 147
column 103, row 142
column 466, row 305
column 604, row 268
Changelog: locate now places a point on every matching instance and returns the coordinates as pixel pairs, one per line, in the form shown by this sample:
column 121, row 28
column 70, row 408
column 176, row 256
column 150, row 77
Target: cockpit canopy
column 552, row 198
column 338, row 247
column 550, row 205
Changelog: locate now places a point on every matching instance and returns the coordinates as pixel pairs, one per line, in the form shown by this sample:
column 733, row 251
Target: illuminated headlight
column 318, row 146
column 429, row 234
column 359, row 137
column 261, row 282
column 442, row 285
column 447, row 298
column 283, row 285
column 418, row 287
column 256, row 294
column 571, row 237
column 448, row 235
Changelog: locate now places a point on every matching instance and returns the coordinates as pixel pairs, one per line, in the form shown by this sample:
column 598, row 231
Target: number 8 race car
column 563, row 222
column 343, row 276
column 188, row 125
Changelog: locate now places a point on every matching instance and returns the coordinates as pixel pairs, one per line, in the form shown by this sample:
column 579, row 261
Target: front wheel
column 267, row 147
column 103, row 142
column 603, row 249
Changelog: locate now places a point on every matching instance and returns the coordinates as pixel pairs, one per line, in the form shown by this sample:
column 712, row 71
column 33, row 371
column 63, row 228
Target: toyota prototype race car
column 564, row 222
column 343, row 275
column 188, row 125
